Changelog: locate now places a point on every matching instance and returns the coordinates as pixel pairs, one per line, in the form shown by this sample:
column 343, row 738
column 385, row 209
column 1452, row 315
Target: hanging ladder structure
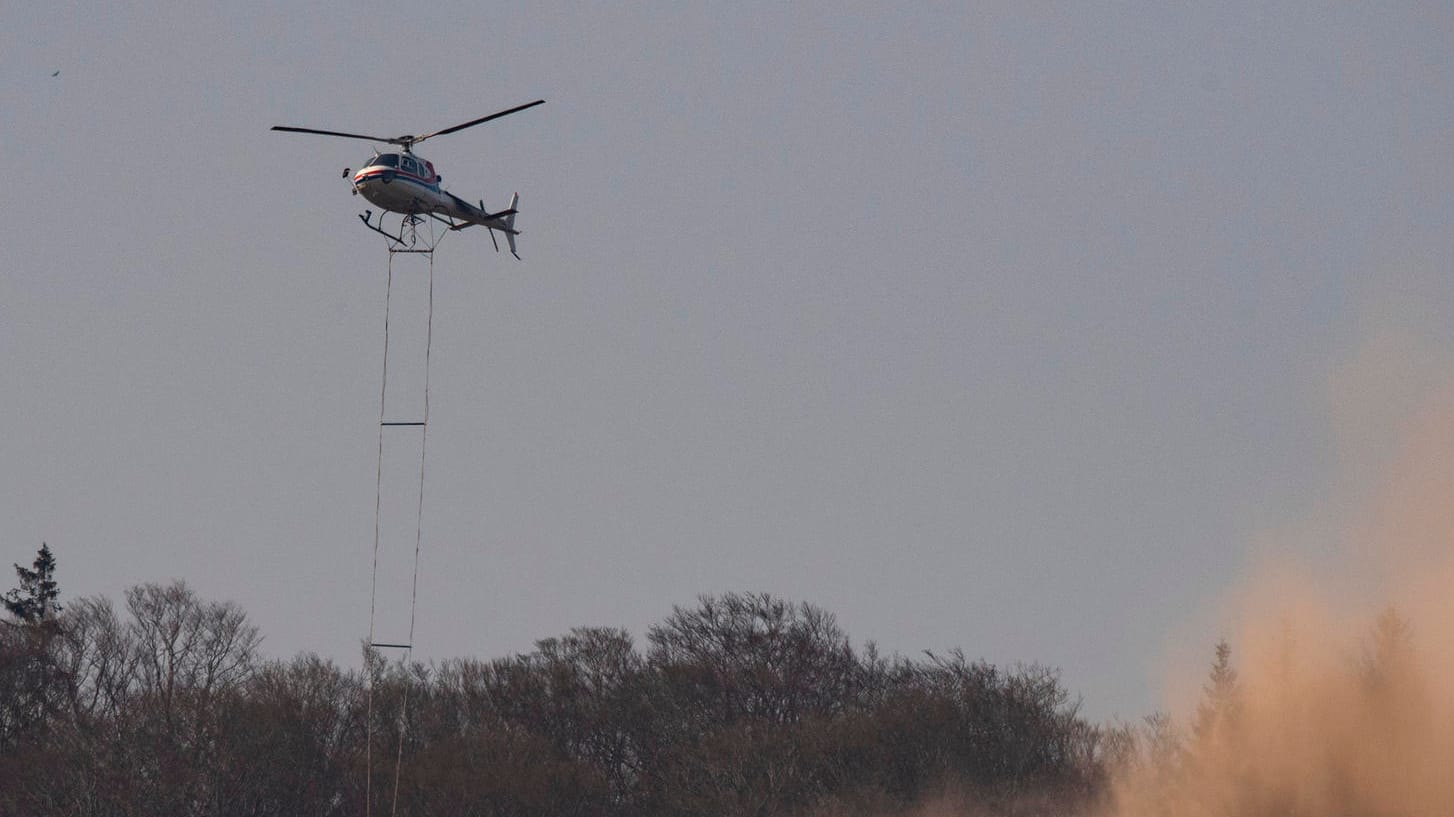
column 410, row 242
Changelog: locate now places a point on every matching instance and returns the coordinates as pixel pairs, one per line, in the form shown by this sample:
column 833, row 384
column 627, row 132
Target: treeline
column 743, row 704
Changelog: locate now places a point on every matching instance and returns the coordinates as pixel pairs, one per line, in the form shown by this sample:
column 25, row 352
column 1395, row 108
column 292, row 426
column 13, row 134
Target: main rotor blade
column 481, row 120
column 332, row 133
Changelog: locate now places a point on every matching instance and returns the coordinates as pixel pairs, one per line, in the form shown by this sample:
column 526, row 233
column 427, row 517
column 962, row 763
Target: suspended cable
column 418, row 536
column 374, row 584
column 407, row 647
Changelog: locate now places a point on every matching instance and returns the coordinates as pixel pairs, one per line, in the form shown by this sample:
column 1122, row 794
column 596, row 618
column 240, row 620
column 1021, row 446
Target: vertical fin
column 510, row 224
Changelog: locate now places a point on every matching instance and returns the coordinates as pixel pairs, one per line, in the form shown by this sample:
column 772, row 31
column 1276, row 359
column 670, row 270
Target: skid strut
column 408, row 238
column 365, row 217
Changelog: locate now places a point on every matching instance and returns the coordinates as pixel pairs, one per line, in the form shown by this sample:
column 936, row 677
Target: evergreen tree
column 1388, row 663
column 34, row 601
column 30, row 681
column 1220, row 706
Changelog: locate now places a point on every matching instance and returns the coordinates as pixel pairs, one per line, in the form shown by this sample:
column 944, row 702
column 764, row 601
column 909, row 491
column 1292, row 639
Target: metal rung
column 394, row 646
column 400, row 424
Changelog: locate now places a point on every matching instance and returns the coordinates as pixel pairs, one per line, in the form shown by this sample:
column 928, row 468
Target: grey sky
column 1003, row 326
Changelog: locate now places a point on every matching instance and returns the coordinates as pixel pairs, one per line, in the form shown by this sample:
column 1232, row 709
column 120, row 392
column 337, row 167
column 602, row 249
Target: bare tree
column 191, row 656
column 186, row 645
column 753, row 655
column 97, row 656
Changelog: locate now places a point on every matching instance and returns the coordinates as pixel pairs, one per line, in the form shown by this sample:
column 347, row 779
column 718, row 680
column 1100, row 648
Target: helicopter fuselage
column 401, row 183
column 405, row 183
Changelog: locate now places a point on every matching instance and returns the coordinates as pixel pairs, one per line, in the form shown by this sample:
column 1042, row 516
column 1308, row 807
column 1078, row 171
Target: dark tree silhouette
column 34, row 600
column 742, row 705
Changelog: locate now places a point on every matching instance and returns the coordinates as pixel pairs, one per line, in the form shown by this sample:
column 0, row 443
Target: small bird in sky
column 55, row 73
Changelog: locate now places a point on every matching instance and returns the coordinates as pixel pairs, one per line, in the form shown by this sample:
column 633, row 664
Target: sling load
column 405, row 184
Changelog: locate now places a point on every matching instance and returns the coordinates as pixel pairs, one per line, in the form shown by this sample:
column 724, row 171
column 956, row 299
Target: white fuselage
column 401, row 183
column 405, row 183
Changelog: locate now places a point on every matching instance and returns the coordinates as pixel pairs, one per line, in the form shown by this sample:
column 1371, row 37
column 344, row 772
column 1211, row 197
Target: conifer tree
column 1222, row 703
column 1388, row 662
column 34, row 601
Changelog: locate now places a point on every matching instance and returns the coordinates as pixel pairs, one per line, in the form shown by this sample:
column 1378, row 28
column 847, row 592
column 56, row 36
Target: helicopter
column 405, row 183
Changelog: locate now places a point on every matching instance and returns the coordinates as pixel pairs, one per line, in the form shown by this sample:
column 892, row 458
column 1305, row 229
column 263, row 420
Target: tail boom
column 503, row 221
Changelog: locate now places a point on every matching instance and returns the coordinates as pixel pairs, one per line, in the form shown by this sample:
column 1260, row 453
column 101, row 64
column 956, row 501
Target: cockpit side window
column 409, row 166
column 386, row 160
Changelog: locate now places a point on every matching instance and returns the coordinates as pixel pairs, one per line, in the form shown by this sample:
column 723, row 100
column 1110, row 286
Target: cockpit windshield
column 386, row 160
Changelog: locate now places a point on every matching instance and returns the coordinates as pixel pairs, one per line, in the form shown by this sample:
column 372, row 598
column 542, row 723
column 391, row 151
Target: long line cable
column 418, row 532
column 374, row 586
column 418, row 540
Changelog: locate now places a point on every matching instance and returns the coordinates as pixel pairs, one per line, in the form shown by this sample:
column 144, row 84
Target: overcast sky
column 1002, row 326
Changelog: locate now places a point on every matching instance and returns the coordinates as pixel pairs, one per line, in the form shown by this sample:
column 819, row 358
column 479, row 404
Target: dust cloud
column 1335, row 695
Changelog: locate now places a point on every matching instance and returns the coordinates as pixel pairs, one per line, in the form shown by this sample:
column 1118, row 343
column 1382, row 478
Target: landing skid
column 409, row 237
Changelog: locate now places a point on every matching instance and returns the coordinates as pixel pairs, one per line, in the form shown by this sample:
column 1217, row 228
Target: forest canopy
column 740, row 705
column 743, row 704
